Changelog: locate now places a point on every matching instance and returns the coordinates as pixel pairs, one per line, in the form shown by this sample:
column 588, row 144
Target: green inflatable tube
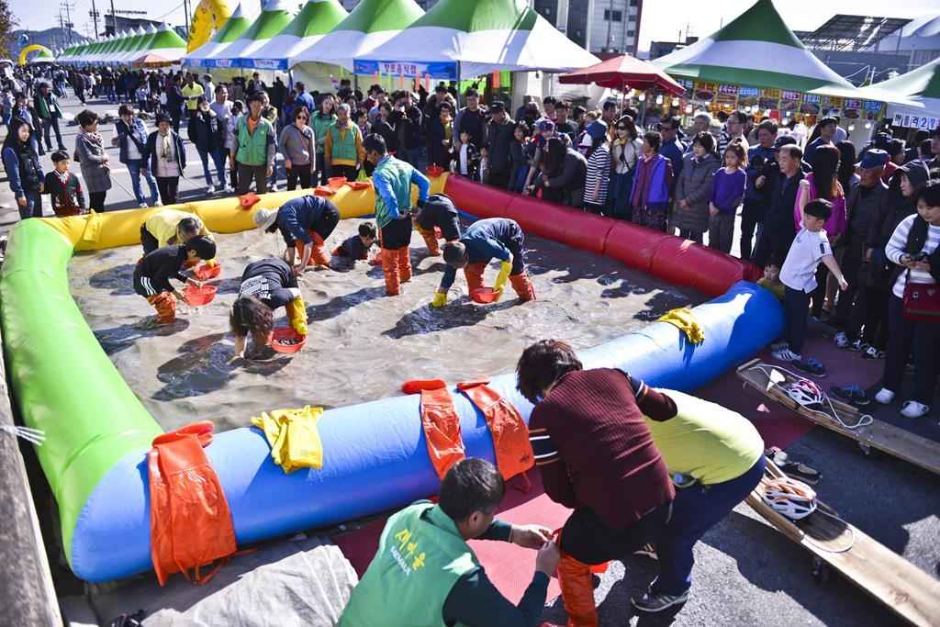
column 55, row 362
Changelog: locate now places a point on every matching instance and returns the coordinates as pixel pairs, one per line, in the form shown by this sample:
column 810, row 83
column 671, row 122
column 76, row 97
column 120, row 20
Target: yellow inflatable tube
column 98, row 231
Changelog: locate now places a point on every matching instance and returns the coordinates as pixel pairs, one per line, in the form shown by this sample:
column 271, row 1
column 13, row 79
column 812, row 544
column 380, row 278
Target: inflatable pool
column 375, row 456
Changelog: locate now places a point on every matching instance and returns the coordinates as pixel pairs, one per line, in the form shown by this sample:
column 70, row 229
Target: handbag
column 921, row 301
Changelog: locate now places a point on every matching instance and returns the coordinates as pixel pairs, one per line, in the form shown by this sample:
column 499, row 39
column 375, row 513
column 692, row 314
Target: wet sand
column 362, row 344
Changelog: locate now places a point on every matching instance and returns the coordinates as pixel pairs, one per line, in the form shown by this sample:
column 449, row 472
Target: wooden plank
column 907, row 590
column 879, row 435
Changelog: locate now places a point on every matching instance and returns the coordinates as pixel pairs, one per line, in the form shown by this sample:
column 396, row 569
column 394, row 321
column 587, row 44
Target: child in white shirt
column 798, row 274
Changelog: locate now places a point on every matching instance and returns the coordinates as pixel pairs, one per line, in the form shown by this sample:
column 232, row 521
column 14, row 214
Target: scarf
column 166, row 147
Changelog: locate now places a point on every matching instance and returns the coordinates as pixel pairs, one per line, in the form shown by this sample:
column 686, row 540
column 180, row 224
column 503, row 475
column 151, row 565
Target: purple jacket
column 652, row 181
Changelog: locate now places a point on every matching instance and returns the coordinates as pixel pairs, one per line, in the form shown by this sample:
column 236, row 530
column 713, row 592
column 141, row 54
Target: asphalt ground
column 745, row 573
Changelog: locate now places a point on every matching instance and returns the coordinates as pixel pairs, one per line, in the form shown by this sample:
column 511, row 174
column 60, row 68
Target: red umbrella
column 624, row 72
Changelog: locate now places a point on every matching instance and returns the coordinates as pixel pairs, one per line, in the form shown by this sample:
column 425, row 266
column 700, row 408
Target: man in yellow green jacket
column 343, row 148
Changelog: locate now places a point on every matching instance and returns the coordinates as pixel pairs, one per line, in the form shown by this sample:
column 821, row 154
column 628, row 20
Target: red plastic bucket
column 286, row 340
column 484, row 295
column 199, row 296
column 204, row 272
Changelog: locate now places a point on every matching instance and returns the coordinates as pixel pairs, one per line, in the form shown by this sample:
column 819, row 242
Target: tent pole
column 458, row 85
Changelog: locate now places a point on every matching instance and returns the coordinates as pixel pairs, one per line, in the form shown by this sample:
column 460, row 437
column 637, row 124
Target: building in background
column 662, row 48
column 919, row 39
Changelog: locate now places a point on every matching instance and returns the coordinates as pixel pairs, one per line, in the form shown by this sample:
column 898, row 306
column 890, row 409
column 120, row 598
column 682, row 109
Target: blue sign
column 263, row 64
column 442, row 71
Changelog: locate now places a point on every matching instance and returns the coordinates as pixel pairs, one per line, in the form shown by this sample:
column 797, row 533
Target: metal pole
column 113, row 19
column 94, row 17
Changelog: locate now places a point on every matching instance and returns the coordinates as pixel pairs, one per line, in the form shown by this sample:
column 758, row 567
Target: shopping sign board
column 919, row 122
column 442, row 71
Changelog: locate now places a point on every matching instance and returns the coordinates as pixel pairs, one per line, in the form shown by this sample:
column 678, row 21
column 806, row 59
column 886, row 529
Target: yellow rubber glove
column 211, row 263
column 297, row 314
column 504, row 269
column 439, row 300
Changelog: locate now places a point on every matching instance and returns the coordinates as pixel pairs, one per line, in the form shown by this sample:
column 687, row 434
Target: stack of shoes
column 910, row 409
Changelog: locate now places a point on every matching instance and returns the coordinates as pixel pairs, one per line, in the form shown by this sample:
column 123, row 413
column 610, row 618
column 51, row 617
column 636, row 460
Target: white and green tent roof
column 127, row 47
column 757, row 49
column 44, row 56
column 371, row 24
column 317, row 18
column 921, row 87
column 483, row 36
column 165, row 43
column 272, row 20
column 136, row 47
column 230, row 32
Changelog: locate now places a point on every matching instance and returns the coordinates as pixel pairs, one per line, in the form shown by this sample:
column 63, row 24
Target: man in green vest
column 254, row 148
column 424, row 573
column 343, row 145
column 393, row 179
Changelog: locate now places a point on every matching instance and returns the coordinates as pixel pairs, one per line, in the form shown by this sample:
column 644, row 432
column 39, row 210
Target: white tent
column 922, row 88
column 467, row 38
column 237, row 24
column 317, row 18
column 272, row 20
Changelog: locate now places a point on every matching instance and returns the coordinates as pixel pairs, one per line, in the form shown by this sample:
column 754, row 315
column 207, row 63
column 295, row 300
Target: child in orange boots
column 153, row 273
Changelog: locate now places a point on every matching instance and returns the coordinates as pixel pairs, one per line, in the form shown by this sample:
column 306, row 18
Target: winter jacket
column 499, row 139
column 570, row 181
column 207, row 131
column 659, row 171
column 438, row 152
column 695, row 187
column 321, row 127
column 153, row 151
column 136, row 132
column 90, row 155
column 23, row 169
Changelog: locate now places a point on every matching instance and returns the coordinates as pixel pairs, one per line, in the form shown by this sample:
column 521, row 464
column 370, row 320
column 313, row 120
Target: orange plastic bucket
column 336, row 182
column 359, row 185
column 286, row 340
column 434, row 171
column 484, row 295
column 199, row 296
column 204, row 272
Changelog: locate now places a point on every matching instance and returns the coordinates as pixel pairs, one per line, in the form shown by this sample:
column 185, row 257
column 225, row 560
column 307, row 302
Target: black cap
column 497, row 106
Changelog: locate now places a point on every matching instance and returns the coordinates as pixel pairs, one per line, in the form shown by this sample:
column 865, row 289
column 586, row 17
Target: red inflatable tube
column 571, row 227
column 482, row 201
column 633, row 245
column 673, row 259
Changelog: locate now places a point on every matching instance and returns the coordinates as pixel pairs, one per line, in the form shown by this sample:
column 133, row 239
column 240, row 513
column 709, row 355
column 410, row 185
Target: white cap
column 264, row 218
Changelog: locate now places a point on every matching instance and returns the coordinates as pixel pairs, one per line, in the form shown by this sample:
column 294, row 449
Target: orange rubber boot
column 434, row 249
column 474, row 274
column 390, row 268
column 165, row 304
column 319, row 256
column 523, row 286
column 577, row 592
column 404, row 263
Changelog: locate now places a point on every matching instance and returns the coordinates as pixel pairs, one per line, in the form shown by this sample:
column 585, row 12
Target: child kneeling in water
column 266, row 285
column 357, row 247
column 153, row 273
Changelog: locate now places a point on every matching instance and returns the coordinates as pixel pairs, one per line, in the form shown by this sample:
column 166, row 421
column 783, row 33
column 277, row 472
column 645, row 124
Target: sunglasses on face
column 622, row 128
column 302, row 117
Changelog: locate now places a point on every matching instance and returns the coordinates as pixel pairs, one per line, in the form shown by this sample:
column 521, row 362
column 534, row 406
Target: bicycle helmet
column 790, row 498
column 806, row 393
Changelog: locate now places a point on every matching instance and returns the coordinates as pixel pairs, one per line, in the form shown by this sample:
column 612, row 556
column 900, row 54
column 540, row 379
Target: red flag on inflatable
column 496, row 75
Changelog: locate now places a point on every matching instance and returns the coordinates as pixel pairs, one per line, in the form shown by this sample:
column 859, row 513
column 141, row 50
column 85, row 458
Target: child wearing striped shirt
column 597, row 151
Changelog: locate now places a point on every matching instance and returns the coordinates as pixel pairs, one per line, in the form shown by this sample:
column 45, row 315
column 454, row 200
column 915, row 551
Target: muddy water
column 362, row 345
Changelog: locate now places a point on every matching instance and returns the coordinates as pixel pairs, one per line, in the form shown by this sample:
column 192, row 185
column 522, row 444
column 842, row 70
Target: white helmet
column 791, row 498
column 806, row 393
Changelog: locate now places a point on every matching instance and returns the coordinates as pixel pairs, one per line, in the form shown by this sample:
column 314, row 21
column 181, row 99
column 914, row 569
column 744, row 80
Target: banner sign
column 221, row 63
column 919, row 122
column 791, row 95
column 442, row 71
column 851, row 104
column 728, row 90
column 264, row 64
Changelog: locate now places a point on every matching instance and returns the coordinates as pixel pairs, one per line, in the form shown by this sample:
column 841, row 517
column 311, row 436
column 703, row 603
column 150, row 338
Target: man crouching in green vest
column 425, row 574
column 392, row 179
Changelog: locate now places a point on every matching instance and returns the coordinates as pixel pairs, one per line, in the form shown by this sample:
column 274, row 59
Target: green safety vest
column 343, row 151
column 398, row 174
column 253, row 148
column 421, row 556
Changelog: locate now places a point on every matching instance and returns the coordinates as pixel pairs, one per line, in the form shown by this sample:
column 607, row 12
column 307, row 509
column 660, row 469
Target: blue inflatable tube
column 375, row 458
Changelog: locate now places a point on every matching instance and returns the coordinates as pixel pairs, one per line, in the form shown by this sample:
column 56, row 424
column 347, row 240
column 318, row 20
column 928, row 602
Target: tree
column 7, row 23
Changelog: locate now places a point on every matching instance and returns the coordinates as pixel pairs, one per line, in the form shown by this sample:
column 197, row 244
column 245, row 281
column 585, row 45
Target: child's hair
column 455, row 252
column 202, row 246
column 930, row 194
column 522, row 126
column 466, row 132
column 367, row 229
column 705, row 140
column 125, row 109
column 59, row 156
column 188, row 226
column 86, row 118
column 737, row 149
column 238, row 105
column 820, row 208
column 654, row 139
column 250, row 315
column 163, row 117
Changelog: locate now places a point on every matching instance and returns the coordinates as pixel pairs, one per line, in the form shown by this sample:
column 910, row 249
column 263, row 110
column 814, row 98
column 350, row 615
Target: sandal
column 811, row 366
column 794, row 469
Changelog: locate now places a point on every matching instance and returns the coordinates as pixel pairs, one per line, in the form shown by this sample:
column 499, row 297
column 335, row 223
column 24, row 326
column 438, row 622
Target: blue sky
column 661, row 20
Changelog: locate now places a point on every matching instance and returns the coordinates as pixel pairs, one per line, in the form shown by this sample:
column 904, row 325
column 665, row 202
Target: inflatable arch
column 32, row 48
column 208, row 18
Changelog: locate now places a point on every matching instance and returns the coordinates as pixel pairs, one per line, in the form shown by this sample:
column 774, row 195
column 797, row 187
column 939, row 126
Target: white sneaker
column 913, row 409
column 144, row 205
column 159, row 203
column 841, row 339
column 229, row 189
column 885, row 396
column 211, row 190
column 776, row 346
column 785, row 354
